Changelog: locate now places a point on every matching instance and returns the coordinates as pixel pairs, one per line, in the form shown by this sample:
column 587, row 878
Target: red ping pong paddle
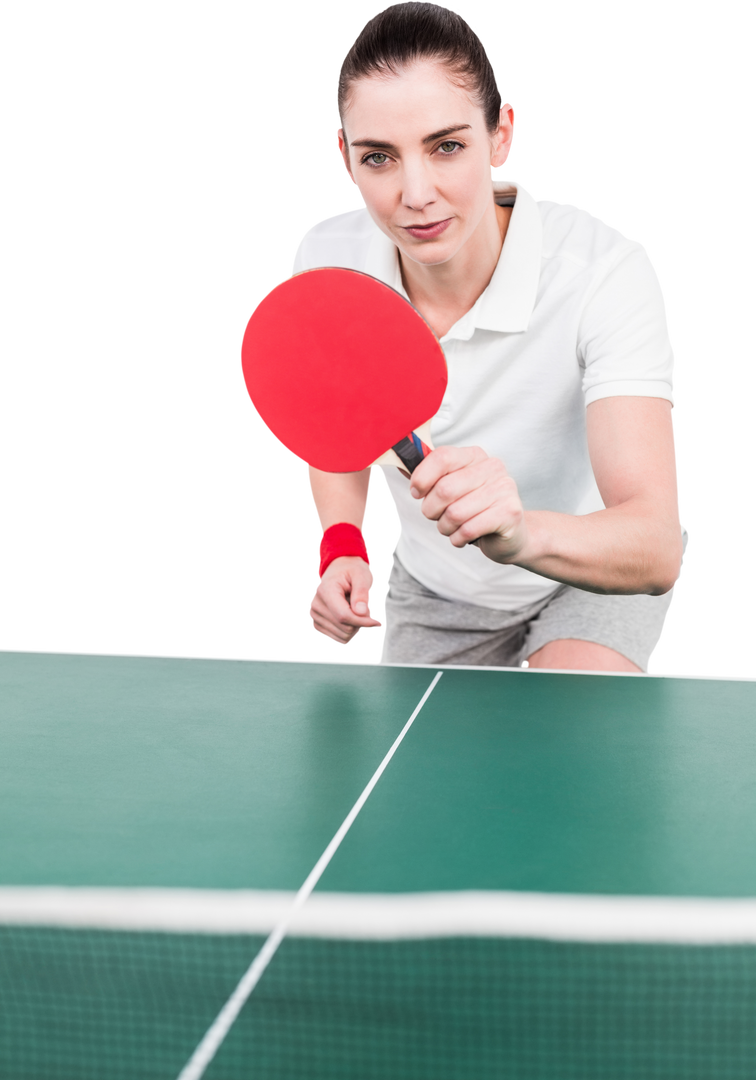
column 344, row 371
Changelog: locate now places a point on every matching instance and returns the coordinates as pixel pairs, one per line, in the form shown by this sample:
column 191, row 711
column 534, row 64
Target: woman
column 554, row 440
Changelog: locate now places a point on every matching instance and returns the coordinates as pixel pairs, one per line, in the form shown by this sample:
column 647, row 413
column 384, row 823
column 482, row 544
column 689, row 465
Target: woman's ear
column 501, row 140
column 344, row 148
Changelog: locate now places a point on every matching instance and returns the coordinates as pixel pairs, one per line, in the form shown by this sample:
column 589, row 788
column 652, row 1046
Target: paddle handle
column 412, row 450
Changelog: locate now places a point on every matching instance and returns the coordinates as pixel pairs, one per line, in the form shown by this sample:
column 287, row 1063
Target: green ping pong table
column 285, row 871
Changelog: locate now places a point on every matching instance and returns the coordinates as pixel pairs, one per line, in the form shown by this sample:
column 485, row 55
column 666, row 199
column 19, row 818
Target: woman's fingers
column 340, row 605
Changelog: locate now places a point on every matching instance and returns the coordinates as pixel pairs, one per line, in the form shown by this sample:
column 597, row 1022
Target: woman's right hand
column 340, row 606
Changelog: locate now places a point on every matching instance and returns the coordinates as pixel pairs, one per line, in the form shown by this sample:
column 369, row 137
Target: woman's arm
column 341, row 606
column 340, row 496
column 633, row 546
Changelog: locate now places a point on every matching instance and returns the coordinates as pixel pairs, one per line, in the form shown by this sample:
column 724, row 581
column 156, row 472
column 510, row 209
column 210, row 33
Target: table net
column 83, row 1004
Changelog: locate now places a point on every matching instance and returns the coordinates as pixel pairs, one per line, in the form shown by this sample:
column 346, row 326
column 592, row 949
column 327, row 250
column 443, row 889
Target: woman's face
column 419, row 151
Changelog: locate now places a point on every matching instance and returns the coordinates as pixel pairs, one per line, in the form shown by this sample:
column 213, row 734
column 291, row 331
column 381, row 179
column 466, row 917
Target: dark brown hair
column 407, row 32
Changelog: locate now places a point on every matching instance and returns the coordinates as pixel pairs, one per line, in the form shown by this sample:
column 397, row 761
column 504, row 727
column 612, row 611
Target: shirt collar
column 507, row 302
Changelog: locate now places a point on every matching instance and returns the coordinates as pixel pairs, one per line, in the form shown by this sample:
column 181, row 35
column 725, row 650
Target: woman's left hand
column 471, row 496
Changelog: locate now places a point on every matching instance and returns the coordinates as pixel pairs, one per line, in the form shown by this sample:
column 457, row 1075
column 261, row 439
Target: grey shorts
column 423, row 628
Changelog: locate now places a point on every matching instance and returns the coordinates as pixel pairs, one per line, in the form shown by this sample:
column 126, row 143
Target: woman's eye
column 448, row 150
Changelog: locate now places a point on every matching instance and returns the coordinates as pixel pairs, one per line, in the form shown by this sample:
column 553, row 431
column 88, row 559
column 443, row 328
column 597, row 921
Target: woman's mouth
column 428, row 232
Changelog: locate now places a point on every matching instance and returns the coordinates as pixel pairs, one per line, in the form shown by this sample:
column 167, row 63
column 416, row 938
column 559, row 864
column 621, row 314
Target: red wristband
column 341, row 539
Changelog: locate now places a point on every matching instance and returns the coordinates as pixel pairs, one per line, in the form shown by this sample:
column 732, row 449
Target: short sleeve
column 623, row 344
column 301, row 261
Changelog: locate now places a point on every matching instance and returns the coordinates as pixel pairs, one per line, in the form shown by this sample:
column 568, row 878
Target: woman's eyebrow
column 381, row 145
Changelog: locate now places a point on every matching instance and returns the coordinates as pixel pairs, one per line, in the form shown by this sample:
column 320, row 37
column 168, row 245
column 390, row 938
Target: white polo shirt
column 573, row 313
